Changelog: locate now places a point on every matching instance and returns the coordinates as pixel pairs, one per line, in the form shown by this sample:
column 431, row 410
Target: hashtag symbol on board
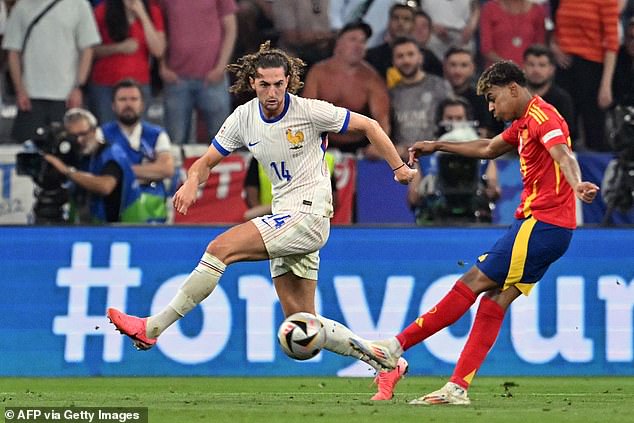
column 79, row 278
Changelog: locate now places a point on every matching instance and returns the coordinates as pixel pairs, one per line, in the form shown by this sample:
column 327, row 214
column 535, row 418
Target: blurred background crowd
column 152, row 74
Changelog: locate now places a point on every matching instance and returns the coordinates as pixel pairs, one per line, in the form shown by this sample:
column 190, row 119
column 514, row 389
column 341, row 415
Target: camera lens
column 64, row 147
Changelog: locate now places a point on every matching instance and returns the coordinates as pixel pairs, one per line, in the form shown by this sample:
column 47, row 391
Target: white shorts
column 293, row 240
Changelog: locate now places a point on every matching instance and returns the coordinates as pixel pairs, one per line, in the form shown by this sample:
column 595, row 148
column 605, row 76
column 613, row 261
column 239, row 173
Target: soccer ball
column 301, row 336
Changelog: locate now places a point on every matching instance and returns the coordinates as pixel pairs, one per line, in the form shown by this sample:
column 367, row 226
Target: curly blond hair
column 247, row 67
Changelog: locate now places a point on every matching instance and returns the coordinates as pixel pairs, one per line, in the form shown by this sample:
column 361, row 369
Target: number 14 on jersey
column 281, row 171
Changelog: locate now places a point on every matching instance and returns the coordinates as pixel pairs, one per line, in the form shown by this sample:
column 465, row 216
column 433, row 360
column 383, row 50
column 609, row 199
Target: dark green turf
column 322, row 399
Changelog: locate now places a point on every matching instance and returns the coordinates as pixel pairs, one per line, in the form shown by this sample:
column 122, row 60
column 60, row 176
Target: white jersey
column 290, row 147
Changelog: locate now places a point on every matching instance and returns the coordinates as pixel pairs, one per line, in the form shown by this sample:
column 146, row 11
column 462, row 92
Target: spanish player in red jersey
column 541, row 234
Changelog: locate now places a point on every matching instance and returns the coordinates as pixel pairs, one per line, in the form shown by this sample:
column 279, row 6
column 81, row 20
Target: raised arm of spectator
column 155, row 39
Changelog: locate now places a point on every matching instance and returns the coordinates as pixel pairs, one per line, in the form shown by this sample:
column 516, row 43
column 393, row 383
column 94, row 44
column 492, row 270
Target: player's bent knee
column 478, row 282
column 220, row 249
column 485, row 285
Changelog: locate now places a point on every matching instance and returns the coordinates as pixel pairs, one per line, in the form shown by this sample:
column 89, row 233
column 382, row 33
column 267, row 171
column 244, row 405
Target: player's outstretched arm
column 585, row 191
column 379, row 139
column 198, row 173
column 480, row 149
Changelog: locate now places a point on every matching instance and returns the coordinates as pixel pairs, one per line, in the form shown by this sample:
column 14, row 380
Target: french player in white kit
column 287, row 134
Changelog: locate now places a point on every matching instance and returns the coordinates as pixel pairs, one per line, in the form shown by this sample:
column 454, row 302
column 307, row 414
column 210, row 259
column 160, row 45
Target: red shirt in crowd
column 111, row 69
column 509, row 34
column 588, row 28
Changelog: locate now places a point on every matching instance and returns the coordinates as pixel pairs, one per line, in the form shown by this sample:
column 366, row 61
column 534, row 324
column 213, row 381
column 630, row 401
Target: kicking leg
column 486, row 327
column 298, row 294
column 449, row 309
column 240, row 243
column 388, row 352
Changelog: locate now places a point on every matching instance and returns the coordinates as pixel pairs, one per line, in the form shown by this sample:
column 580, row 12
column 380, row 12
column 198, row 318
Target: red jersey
column 547, row 195
column 109, row 70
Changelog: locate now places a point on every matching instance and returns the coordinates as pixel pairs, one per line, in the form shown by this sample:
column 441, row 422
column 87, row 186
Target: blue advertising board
column 58, row 282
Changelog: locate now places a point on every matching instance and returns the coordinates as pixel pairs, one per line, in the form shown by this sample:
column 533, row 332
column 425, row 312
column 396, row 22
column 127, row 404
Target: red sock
column 485, row 330
column 448, row 310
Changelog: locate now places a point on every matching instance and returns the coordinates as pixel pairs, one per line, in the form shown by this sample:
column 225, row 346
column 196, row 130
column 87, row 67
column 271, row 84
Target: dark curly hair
column 266, row 58
column 501, row 74
column 117, row 24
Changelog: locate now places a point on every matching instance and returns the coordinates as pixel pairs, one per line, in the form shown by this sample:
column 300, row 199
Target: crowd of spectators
column 392, row 60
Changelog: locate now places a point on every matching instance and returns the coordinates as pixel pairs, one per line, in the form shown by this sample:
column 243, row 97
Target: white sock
column 198, row 285
column 337, row 340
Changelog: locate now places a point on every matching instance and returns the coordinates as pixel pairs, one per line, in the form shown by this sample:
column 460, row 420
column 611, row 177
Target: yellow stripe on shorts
column 518, row 258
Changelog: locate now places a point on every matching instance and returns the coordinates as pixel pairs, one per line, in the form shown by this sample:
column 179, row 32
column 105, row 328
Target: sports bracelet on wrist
column 398, row 167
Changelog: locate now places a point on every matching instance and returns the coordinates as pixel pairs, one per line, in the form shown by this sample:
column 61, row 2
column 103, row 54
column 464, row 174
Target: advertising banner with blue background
column 58, row 282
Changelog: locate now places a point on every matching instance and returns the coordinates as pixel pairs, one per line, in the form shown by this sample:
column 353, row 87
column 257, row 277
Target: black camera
column 47, row 140
column 617, row 188
column 622, row 137
column 51, row 194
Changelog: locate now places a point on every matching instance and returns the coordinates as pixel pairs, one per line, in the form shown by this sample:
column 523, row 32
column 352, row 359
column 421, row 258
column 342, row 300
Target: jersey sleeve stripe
column 552, row 134
column 220, row 148
column 535, row 108
column 536, row 117
column 344, row 128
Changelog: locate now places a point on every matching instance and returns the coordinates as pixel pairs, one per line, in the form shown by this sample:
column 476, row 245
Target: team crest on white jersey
column 296, row 140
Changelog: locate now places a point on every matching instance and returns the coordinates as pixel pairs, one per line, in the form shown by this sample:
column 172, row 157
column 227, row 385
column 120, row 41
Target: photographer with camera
column 106, row 174
column 451, row 189
column 51, row 188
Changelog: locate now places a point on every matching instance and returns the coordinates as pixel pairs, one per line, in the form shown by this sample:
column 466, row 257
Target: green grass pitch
column 329, row 399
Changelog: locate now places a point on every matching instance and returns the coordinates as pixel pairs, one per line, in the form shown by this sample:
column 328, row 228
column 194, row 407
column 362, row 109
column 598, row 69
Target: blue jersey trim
column 344, row 128
column 324, row 141
column 220, row 148
column 287, row 102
